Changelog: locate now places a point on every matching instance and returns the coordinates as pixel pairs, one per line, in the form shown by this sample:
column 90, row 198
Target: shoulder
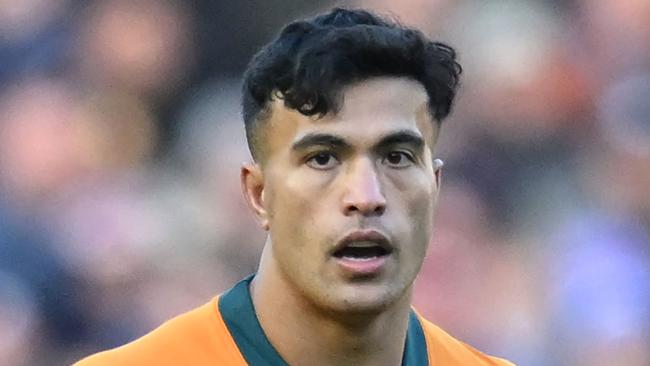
column 196, row 337
column 444, row 349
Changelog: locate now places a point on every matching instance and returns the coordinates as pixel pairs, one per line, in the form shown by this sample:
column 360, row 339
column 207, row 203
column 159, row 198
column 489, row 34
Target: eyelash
column 402, row 153
column 311, row 157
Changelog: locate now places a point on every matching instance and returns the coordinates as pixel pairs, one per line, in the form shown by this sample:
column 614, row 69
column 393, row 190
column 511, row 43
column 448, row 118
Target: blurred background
column 121, row 140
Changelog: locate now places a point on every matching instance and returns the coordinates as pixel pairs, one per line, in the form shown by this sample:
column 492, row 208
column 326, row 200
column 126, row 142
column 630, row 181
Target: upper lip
column 364, row 235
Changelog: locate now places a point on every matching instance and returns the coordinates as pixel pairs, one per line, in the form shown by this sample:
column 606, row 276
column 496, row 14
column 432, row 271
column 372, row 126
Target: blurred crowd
column 121, row 141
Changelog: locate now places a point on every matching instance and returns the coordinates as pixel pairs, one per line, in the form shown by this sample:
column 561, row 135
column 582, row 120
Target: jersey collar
column 236, row 308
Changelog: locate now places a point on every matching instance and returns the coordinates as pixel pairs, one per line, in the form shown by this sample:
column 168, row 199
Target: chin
column 360, row 299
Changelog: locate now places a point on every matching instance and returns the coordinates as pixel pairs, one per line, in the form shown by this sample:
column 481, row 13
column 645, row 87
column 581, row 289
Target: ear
column 437, row 171
column 252, row 185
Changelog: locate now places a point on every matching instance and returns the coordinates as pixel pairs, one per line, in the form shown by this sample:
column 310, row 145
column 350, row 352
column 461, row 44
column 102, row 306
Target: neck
column 303, row 334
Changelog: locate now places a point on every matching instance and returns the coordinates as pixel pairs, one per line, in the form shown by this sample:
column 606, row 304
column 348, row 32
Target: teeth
column 360, row 259
column 362, row 244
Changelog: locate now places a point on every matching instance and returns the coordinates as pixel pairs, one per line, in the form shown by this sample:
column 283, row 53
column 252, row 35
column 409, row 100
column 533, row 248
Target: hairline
column 265, row 114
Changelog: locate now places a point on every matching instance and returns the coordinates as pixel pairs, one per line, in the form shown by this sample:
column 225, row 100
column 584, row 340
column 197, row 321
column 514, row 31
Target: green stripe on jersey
column 236, row 307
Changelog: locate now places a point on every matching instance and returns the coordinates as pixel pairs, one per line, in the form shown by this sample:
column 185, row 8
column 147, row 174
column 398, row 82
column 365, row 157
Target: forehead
column 390, row 96
column 371, row 109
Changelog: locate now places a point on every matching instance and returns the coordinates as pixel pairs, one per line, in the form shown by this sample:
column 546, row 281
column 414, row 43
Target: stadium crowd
column 121, row 141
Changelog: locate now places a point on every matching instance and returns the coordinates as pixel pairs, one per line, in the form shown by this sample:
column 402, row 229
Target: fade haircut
column 311, row 60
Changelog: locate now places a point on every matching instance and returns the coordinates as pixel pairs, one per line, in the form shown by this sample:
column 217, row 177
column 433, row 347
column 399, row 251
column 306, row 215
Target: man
column 342, row 115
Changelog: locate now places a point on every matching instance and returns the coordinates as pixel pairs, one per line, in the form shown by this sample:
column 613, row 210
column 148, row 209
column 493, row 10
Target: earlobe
column 437, row 164
column 437, row 171
column 252, row 185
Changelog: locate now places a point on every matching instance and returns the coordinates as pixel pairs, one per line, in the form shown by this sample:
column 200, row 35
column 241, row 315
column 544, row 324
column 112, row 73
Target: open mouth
column 363, row 254
column 361, row 251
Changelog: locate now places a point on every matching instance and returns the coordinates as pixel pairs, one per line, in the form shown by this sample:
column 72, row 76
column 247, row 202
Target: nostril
column 366, row 209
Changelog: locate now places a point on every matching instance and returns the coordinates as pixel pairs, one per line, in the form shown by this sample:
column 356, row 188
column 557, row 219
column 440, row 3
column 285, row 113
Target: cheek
column 415, row 188
column 298, row 194
column 421, row 214
column 296, row 201
column 415, row 193
column 420, row 221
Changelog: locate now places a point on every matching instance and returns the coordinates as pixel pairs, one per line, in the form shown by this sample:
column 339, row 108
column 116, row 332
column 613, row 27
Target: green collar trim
column 236, row 308
column 415, row 350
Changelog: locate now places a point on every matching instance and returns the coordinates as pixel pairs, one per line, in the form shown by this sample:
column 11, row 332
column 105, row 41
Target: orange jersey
column 226, row 331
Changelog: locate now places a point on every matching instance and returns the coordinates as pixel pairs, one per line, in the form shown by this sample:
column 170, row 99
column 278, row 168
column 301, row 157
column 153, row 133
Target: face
column 348, row 199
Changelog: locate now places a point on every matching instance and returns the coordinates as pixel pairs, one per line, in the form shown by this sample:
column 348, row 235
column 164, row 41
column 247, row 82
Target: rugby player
column 342, row 115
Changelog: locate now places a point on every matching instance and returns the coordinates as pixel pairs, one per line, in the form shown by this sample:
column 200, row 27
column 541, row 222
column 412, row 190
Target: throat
column 304, row 333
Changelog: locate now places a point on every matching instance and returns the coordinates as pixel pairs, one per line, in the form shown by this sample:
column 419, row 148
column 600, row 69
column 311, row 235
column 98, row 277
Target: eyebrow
column 408, row 137
column 319, row 139
column 325, row 139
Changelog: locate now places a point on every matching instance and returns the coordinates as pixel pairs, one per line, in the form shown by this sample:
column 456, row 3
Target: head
column 342, row 115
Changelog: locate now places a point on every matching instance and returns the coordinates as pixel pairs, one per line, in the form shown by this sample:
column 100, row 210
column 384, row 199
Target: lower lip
column 366, row 266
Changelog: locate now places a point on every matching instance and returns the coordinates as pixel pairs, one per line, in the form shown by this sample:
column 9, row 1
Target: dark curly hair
column 311, row 60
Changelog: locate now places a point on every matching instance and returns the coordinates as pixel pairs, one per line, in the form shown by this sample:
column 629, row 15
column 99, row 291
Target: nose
column 363, row 194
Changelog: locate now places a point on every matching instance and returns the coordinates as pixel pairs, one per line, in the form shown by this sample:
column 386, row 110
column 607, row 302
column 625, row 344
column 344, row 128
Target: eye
column 322, row 161
column 398, row 159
